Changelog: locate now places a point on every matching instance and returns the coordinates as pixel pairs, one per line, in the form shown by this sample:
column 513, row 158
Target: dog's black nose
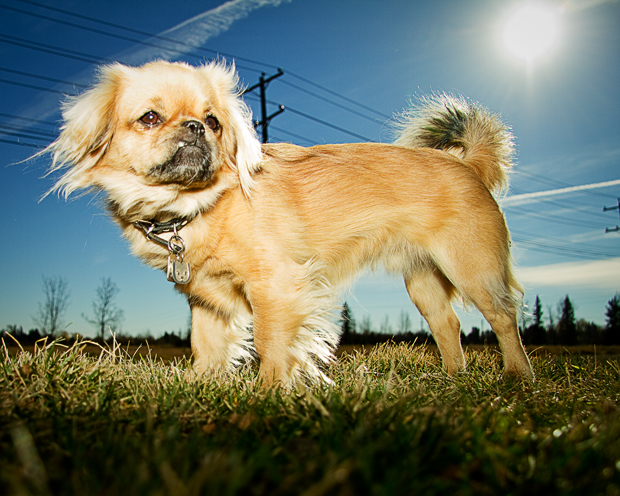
column 196, row 127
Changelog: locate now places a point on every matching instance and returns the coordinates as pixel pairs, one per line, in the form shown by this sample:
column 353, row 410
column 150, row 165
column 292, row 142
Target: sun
column 531, row 31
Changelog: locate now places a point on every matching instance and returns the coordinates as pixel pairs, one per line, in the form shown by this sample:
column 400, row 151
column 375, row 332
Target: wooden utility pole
column 262, row 84
column 606, row 209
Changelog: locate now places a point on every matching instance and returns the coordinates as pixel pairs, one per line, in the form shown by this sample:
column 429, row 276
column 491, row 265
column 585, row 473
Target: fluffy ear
column 87, row 131
column 249, row 154
column 241, row 140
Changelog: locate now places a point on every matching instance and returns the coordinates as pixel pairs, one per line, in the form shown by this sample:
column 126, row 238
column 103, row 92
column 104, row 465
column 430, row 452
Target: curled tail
column 464, row 129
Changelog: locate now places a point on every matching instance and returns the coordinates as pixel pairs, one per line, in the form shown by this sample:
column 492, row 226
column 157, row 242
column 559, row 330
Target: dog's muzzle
column 191, row 161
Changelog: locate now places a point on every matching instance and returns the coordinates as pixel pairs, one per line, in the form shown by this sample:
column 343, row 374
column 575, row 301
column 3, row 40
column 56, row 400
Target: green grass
column 393, row 423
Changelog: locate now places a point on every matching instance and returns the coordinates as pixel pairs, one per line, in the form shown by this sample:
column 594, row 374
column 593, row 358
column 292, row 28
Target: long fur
column 84, row 140
column 468, row 130
column 277, row 230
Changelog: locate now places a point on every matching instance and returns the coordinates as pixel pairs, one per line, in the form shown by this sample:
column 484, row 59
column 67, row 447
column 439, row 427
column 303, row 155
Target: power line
column 32, row 87
column 136, row 31
column 558, row 242
column 564, row 205
column 299, row 88
column 22, row 135
column 315, row 119
column 28, row 119
column 61, row 52
column 331, row 92
column 15, row 128
column 19, row 143
column 549, row 217
column 577, row 210
column 184, row 44
column 86, row 28
column 276, row 139
column 45, row 78
column 556, row 251
column 559, row 249
column 19, row 135
column 298, row 136
column 328, row 124
column 85, row 57
column 281, row 107
column 112, row 35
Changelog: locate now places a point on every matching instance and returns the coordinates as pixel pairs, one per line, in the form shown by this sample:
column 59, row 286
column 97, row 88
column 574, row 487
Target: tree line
column 556, row 327
column 561, row 327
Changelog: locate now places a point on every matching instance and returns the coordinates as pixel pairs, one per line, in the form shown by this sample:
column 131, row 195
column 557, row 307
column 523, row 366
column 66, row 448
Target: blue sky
column 563, row 108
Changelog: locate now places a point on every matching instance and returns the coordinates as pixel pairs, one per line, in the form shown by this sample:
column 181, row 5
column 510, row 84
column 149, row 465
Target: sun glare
column 531, row 31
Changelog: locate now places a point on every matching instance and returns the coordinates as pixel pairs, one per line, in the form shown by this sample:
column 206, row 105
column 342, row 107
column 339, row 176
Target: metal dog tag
column 178, row 271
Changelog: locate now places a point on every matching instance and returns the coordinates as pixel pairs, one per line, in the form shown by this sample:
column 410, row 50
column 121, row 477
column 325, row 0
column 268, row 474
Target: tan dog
column 266, row 235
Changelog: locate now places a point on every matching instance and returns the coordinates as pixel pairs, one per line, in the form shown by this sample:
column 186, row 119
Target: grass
column 392, row 423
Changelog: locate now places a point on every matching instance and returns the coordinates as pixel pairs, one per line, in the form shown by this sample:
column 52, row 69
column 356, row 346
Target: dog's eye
column 212, row 123
column 150, row 118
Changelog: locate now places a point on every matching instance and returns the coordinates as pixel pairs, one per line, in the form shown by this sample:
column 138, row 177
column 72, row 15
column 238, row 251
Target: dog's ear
column 87, row 131
column 243, row 149
column 248, row 153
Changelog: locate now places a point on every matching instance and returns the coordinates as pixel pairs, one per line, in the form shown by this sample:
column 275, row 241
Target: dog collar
column 152, row 228
column 178, row 271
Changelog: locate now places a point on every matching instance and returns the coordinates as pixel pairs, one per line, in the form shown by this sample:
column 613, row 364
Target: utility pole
column 606, row 209
column 262, row 84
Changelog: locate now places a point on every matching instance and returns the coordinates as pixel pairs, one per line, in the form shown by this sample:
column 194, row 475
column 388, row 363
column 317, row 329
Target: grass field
column 392, row 423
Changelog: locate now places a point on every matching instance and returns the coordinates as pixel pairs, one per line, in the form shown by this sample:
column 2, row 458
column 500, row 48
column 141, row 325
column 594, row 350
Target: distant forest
column 554, row 327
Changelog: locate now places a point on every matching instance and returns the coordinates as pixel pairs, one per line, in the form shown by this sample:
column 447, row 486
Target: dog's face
column 177, row 128
column 170, row 128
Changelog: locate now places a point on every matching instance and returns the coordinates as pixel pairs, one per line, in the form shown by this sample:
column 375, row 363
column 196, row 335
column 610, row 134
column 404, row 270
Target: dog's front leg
column 276, row 326
column 218, row 341
column 280, row 307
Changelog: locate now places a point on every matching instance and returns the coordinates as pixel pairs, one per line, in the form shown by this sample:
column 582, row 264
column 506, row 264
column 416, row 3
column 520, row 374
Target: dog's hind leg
column 500, row 311
column 494, row 291
column 432, row 293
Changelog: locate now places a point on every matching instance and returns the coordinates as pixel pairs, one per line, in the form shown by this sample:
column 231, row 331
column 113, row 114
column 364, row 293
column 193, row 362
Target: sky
column 349, row 67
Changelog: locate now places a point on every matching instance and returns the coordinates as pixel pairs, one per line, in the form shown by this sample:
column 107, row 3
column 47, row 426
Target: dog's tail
column 464, row 129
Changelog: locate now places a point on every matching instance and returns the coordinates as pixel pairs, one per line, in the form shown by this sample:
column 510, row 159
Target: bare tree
column 386, row 327
column 49, row 317
column 404, row 325
column 366, row 325
column 525, row 315
column 106, row 314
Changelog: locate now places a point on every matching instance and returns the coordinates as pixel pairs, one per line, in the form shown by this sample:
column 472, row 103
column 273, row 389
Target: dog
column 260, row 238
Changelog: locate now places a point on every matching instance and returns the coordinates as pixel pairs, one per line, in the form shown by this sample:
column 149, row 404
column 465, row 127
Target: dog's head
column 161, row 137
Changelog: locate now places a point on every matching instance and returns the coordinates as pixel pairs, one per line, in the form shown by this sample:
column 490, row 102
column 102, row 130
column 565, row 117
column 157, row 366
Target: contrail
column 599, row 274
column 193, row 32
column 197, row 30
column 525, row 198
